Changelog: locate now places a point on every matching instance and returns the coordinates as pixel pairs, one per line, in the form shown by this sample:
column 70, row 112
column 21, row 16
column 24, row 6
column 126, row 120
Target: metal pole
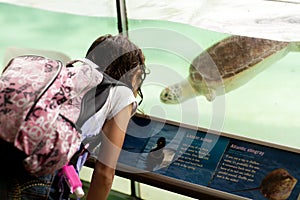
column 122, row 17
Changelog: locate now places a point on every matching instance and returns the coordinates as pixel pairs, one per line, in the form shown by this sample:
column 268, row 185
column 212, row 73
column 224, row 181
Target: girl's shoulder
column 120, row 97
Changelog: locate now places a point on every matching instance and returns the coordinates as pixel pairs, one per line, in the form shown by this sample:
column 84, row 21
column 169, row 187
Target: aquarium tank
column 254, row 95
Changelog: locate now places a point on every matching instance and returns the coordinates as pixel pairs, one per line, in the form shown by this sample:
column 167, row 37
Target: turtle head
column 180, row 92
column 171, row 95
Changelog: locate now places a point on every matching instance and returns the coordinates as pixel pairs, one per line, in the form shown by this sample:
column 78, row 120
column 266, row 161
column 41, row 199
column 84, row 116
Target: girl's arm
column 114, row 133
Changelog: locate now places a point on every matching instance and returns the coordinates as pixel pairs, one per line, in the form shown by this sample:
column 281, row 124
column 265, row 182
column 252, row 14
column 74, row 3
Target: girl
column 123, row 61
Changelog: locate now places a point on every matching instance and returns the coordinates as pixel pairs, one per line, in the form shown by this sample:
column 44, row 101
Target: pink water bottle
column 73, row 180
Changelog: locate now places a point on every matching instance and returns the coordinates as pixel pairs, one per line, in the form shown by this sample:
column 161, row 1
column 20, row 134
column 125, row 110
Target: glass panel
column 25, row 27
column 152, row 193
column 264, row 108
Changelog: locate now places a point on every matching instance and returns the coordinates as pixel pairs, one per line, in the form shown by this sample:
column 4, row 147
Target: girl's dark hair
column 118, row 57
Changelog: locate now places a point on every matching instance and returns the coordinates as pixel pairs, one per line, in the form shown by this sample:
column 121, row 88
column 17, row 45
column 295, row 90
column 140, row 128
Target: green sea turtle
column 277, row 185
column 226, row 66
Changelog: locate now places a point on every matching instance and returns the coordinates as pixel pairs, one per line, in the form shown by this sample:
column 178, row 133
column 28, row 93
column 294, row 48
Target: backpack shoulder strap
column 95, row 98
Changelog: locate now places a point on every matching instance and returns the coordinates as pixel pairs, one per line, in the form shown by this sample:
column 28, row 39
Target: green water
column 266, row 108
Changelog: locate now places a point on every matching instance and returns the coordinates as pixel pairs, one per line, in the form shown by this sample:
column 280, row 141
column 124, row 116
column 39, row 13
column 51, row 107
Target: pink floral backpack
column 42, row 108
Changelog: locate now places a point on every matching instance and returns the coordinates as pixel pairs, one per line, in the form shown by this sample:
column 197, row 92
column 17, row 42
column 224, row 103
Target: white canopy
column 272, row 19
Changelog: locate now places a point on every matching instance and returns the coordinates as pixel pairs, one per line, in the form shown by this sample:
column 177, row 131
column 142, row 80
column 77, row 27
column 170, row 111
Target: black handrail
column 122, row 17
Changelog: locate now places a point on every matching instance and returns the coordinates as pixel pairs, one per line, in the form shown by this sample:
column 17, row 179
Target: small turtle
column 226, row 66
column 277, row 185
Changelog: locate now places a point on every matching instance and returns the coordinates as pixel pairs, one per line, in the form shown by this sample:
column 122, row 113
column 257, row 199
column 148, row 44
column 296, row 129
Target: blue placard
column 264, row 170
column 206, row 159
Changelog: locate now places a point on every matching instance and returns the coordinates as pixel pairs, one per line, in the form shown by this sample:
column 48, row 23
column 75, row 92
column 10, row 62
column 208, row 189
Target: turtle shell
column 231, row 57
